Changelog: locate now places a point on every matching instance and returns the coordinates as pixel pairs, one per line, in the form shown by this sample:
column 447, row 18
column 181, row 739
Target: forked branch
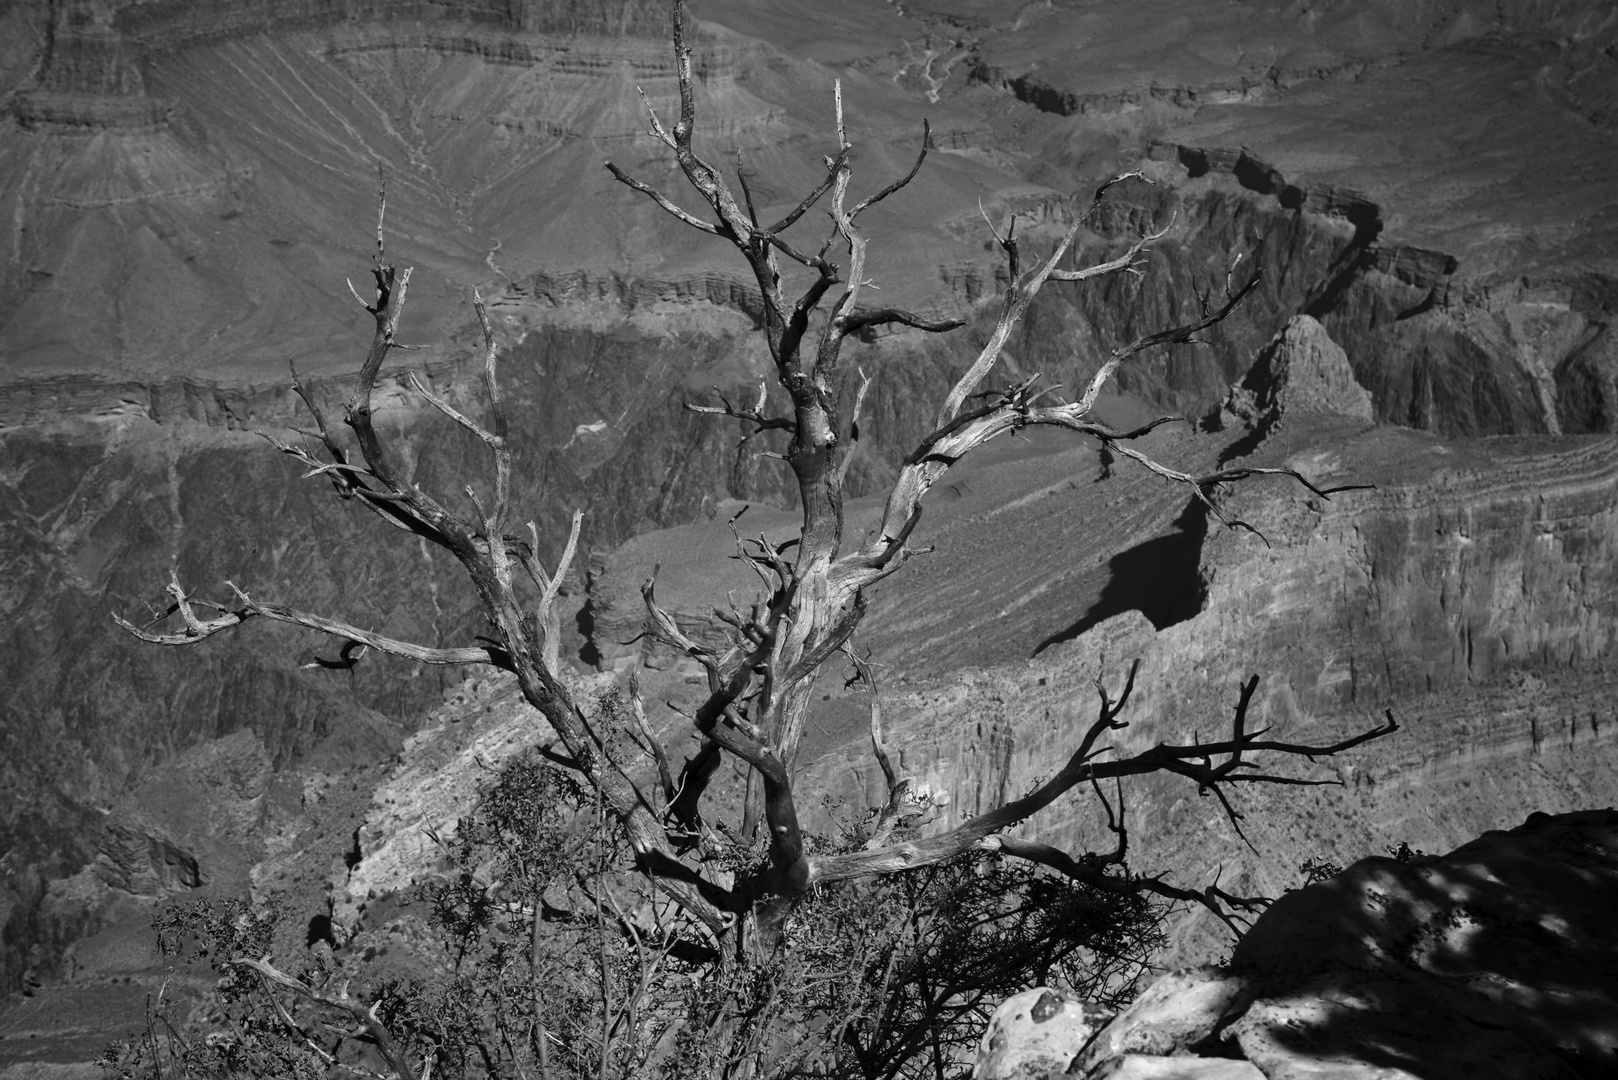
column 753, row 414
column 1175, row 335
column 988, row 832
column 228, row 617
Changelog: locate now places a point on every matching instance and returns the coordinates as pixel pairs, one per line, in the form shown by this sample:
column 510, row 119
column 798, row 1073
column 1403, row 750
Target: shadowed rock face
column 190, row 186
column 1495, row 960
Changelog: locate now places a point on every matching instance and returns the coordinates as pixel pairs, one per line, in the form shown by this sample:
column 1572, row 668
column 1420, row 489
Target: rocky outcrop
column 1302, row 373
column 630, row 294
column 1466, row 560
column 1036, row 1033
column 483, row 724
column 1462, row 354
column 1496, row 960
column 86, row 54
column 86, row 75
column 1259, row 176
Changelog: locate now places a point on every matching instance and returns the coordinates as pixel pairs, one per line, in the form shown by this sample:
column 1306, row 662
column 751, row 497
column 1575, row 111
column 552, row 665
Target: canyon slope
column 187, row 186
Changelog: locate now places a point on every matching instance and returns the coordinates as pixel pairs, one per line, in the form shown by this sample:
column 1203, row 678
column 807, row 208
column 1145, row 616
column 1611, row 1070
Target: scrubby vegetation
column 534, row 954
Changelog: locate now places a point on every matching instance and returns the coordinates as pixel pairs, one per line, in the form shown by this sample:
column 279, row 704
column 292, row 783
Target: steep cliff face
column 1460, row 347
column 1468, row 594
column 1465, row 560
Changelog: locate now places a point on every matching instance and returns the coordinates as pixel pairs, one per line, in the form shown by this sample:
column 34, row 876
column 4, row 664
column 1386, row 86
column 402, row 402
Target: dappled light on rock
column 1036, row 1033
column 1496, row 960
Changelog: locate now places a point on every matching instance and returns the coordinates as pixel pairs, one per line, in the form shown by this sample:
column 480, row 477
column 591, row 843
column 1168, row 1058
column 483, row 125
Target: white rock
column 1155, row 1067
column 1036, row 1033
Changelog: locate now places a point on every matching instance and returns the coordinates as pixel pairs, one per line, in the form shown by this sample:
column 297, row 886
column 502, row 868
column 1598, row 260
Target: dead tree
column 759, row 686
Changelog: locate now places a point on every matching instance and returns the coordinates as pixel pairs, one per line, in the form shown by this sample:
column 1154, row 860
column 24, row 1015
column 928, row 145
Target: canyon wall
column 96, row 514
column 168, row 474
column 1468, row 594
column 187, row 193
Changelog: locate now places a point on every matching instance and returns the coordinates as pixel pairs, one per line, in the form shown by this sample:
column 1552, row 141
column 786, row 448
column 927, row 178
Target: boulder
column 1036, row 1033
column 1178, row 1013
column 1157, row 1067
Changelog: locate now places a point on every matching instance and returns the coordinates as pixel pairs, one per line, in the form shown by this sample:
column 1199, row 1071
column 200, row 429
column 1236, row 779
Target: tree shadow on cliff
column 1160, row 579
column 1383, row 964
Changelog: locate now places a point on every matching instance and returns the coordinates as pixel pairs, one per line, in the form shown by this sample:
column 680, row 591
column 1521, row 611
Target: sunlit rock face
column 1301, row 373
column 1036, row 1033
column 189, row 186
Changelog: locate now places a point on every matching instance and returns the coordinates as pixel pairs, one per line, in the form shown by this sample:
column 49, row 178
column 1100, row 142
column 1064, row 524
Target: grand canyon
column 1428, row 188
